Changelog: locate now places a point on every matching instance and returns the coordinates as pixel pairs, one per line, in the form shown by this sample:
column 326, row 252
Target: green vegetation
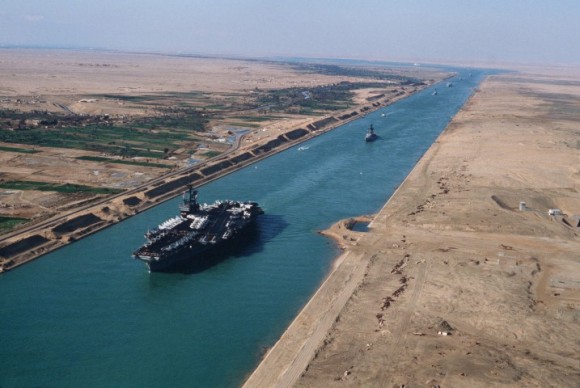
column 257, row 118
column 20, row 150
column 61, row 188
column 355, row 71
column 312, row 101
column 8, row 223
column 215, row 107
column 117, row 161
column 211, row 154
column 244, row 124
column 154, row 98
column 121, row 97
column 121, row 141
column 12, row 114
column 175, row 127
column 183, row 118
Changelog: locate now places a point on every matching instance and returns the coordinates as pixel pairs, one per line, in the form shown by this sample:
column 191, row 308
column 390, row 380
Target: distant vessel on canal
column 371, row 135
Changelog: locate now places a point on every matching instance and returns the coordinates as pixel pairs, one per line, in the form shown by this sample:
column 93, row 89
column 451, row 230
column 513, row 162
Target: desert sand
column 453, row 285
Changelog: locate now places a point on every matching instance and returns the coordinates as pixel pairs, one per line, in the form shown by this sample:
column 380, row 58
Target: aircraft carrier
column 197, row 230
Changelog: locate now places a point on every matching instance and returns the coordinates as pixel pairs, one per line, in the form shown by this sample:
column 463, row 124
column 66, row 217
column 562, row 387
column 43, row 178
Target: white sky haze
column 526, row 31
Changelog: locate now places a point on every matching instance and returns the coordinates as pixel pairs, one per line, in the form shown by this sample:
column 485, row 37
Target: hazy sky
column 534, row 31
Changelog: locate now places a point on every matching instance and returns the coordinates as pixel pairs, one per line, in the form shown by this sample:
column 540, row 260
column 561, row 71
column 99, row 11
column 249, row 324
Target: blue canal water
column 90, row 315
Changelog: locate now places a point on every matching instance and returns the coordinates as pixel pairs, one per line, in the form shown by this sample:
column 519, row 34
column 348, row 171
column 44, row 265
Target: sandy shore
column 454, row 285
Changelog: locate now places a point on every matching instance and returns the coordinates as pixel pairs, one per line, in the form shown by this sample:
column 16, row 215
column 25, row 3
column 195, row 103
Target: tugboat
column 371, row 135
column 197, row 230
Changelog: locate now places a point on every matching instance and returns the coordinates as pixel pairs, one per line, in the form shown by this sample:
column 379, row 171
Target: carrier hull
column 197, row 237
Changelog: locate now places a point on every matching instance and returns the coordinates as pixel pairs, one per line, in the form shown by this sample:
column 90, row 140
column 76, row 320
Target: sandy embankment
column 451, row 253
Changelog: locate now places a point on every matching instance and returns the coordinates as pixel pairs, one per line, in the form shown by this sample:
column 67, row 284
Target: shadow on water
column 250, row 242
column 270, row 226
column 378, row 138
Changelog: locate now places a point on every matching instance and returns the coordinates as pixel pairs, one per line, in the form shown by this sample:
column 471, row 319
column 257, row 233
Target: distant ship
column 371, row 135
column 449, row 84
column 197, row 230
column 435, row 92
